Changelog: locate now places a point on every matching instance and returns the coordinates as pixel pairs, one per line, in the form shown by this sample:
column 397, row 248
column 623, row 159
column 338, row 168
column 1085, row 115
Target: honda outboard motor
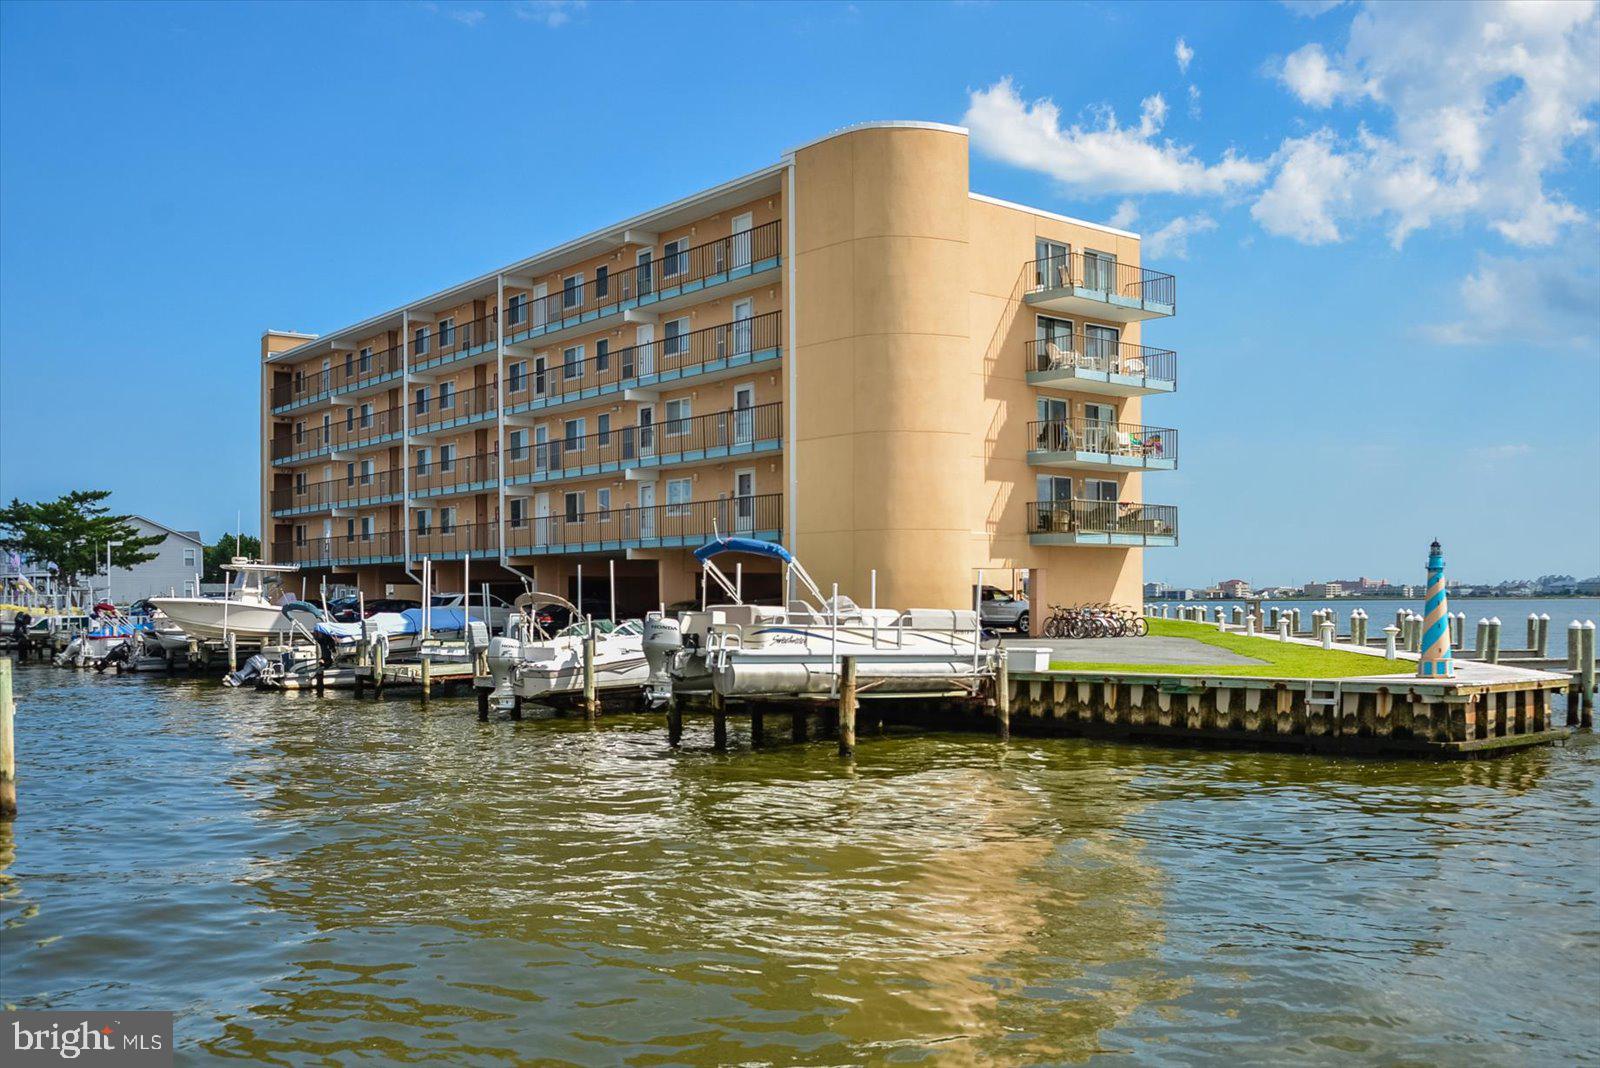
column 327, row 648
column 504, row 654
column 663, row 640
column 247, row 672
column 120, row 655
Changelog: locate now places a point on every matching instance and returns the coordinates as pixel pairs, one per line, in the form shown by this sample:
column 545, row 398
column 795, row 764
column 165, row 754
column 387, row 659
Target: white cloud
column 1104, row 158
column 467, row 16
column 1548, row 301
column 1126, row 215
column 1484, row 101
column 1183, row 54
column 552, row 13
column 1310, row 9
column 1172, row 240
column 1194, row 101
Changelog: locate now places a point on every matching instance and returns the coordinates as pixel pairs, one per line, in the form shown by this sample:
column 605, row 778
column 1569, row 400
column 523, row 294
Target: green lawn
column 1282, row 659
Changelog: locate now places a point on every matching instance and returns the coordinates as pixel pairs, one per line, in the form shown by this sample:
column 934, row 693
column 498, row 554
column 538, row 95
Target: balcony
column 455, row 477
column 1078, row 283
column 738, row 262
column 717, row 436
column 1088, row 364
column 478, row 540
column 706, row 355
column 686, row 525
column 1102, row 523
column 437, row 415
column 354, row 491
column 450, row 344
column 352, row 375
column 1102, row 446
column 335, row 437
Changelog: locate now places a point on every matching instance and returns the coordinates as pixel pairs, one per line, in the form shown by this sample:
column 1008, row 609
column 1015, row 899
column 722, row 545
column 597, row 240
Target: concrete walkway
column 1147, row 650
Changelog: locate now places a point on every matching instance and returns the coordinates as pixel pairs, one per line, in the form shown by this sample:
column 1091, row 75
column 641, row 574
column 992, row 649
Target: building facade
column 848, row 351
column 179, row 560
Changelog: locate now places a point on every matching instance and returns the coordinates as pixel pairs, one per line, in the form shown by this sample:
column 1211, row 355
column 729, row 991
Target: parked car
column 499, row 609
column 997, row 608
column 553, row 617
column 348, row 609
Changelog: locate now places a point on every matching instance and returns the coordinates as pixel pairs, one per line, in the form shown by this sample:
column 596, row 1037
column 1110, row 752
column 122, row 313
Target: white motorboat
column 245, row 612
column 748, row 650
column 530, row 663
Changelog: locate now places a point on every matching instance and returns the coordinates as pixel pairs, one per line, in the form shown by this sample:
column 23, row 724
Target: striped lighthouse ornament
column 1436, row 662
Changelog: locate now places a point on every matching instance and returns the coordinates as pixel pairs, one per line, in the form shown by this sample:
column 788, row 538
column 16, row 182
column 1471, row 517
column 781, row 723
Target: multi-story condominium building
column 848, row 351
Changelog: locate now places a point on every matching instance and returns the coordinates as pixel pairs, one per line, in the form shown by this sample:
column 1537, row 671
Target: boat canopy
column 303, row 608
column 537, row 599
column 754, row 546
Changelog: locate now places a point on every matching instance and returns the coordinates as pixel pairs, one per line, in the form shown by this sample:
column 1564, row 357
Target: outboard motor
column 504, row 654
column 247, row 673
column 327, row 648
column 120, row 655
column 663, row 640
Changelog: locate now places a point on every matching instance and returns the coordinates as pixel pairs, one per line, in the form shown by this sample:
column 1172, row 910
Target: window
column 419, row 341
column 422, row 399
column 602, row 282
column 447, row 331
column 645, row 273
column 677, row 339
column 519, row 444
column 349, row 419
column 447, row 395
column 1099, row 489
column 1052, row 264
column 424, row 458
column 299, row 431
column 573, row 433
column 679, row 491
column 349, row 530
column 299, row 483
column 517, row 309
column 447, row 521
column 602, row 429
column 674, row 257
column 349, row 366
column 350, row 474
column 1099, row 271
column 367, row 471
column 572, row 362
column 188, row 558
column 538, row 375
column 519, row 512
column 447, row 457
column 574, row 506
column 424, row 520
column 366, row 416
column 365, row 362
column 299, row 381
column 299, row 533
column 602, row 504
column 327, row 429
column 676, row 418
column 516, row 377
column 366, row 528
column 572, row 291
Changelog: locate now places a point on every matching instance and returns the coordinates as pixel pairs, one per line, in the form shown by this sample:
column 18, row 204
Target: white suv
column 999, row 609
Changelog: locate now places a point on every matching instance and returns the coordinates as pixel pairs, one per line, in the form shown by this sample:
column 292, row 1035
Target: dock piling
column 1389, row 634
column 1586, row 673
column 719, row 721
column 8, row 745
column 1284, row 626
column 1327, row 633
column 847, row 709
column 233, row 652
column 674, row 722
column 1541, row 647
column 427, row 679
column 758, row 727
column 1002, row 700
column 1492, row 650
column 591, row 697
column 483, row 705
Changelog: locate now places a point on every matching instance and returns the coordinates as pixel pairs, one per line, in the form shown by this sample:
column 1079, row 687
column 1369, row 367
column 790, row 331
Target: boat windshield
column 580, row 629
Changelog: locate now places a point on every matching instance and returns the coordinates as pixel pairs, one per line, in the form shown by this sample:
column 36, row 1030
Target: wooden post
column 674, row 722
column 321, row 681
column 377, row 669
column 758, row 726
column 1002, row 699
column 8, row 745
column 1586, row 672
column 847, row 709
column 516, row 706
column 233, row 652
column 719, row 721
column 591, row 696
column 427, row 679
column 483, row 705
column 798, row 726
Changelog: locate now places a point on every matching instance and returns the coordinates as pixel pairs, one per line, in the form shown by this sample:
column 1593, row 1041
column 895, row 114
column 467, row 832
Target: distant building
column 175, row 569
column 1324, row 589
column 1235, row 589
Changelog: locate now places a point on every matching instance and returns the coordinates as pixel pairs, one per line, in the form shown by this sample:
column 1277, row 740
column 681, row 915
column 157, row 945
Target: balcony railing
column 315, row 496
column 1123, row 441
column 1076, row 352
column 721, row 433
column 441, row 476
column 345, row 431
column 666, row 358
column 352, row 371
column 1109, row 518
column 587, row 298
column 688, row 523
column 434, row 413
column 441, row 343
column 438, row 542
column 1093, row 273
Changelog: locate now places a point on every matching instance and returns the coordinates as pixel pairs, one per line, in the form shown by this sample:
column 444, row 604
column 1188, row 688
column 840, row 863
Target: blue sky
column 1383, row 224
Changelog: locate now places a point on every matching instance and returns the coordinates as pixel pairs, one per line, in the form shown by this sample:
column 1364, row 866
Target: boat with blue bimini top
column 797, row 650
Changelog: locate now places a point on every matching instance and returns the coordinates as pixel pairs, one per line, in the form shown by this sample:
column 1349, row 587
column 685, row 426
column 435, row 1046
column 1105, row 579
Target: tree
column 225, row 550
column 72, row 533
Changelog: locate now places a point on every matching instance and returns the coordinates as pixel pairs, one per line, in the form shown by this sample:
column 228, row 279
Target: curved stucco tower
column 883, row 366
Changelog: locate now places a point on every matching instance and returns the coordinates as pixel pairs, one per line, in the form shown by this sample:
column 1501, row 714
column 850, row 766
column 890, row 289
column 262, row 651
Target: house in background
column 176, row 568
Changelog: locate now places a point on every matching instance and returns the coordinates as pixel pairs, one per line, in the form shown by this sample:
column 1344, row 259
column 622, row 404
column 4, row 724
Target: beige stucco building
column 848, row 351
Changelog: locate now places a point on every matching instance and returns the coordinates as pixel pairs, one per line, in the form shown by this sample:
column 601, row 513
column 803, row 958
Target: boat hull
column 212, row 620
